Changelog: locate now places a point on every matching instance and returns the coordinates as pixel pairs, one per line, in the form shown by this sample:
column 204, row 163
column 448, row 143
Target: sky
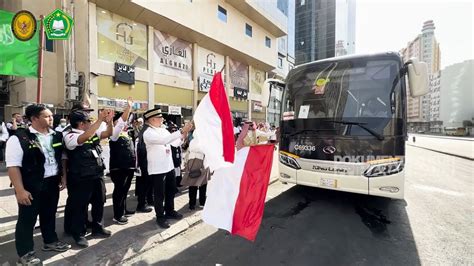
column 388, row 25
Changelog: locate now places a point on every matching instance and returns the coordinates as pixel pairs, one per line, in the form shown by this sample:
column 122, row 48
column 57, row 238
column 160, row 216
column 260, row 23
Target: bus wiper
column 307, row 130
column 361, row 125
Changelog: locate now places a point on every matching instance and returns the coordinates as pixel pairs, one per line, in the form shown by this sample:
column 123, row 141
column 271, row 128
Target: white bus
column 343, row 122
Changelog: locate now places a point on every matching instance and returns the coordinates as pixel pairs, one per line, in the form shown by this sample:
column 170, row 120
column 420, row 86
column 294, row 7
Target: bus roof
column 351, row 57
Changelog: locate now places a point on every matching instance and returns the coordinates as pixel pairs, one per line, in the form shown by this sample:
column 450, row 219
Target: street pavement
column 309, row 226
column 301, row 226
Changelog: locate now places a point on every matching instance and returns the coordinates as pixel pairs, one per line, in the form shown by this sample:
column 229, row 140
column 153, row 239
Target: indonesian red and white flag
column 213, row 127
column 236, row 195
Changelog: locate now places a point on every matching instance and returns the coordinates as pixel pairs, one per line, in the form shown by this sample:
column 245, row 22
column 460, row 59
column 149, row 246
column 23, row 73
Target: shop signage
column 204, row 83
column 240, row 93
column 58, row 25
column 209, row 63
column 174, row 110
column 257, row 106
column 121, row 104
column 121, row 40
column 172, row 56
column 124, row 73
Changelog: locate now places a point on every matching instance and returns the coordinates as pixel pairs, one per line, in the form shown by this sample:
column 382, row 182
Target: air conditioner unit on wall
column 72, row 93
column 72, row 77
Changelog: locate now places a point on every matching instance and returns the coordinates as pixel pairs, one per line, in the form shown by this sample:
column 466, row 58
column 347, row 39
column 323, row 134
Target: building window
column 222, row 13
column 268, row 42
column 248, row 30
column 48, row 44
column 280, row 62
column 282, row 5
column 302, row 2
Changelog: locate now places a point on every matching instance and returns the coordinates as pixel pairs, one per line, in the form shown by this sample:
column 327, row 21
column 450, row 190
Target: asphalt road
column 309, row 226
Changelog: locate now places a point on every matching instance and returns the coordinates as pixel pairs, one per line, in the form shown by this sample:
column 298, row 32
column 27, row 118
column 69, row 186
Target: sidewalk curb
column 442, row 152
column 7, row 226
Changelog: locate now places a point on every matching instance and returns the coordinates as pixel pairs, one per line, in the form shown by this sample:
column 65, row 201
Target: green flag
column 17, row 58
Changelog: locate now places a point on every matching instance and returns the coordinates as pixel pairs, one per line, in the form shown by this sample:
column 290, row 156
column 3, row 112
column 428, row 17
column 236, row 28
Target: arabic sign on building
column 257, row 77
column 174, row 110
column 124, row 73
column 121, row 40
column 240, row 93
column 257, row 106
column 172, row 56
column 209, row 63
column 239, row 79
column 121, row 104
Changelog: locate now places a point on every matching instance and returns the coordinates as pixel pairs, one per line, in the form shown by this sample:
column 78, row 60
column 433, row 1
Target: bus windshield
column 340, row 90
column 354, row 91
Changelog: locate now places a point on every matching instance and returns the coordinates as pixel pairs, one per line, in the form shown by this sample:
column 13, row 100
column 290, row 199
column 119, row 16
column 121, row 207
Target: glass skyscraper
column 323, row 29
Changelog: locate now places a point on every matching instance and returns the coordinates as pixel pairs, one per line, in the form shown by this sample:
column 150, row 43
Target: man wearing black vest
column 160, row 165
column 104, row 133
column 16, row 123
column 122, row 164
column 85, row 171
column 143, row 185
column 33, row 158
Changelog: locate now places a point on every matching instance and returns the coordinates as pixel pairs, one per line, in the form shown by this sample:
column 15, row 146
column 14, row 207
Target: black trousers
column 80, row 194
column 144, row 190
column 122, row 179
column 44, row 203
column 193, row 194
column 164, row 186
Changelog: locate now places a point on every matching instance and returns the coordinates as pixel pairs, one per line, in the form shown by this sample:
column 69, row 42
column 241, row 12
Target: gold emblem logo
column 24, row 25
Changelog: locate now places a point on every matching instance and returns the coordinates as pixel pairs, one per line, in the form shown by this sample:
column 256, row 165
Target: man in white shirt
column 3, row 139
column 160, row 164
column 103, row 132
column 33, row 160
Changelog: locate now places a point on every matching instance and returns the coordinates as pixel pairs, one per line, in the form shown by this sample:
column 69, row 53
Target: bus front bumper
column 391, row 186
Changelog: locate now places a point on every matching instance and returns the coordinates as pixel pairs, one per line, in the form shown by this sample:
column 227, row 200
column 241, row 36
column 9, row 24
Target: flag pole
column 40, row 63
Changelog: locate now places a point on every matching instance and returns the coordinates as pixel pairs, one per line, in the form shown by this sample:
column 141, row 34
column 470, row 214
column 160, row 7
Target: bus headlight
column 382, row 169
column 289, row 161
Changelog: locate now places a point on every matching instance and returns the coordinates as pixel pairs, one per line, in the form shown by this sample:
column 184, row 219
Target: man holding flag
column 238, row 187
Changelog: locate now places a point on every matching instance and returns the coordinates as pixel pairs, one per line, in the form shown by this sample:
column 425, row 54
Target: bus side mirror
column 267, row 87
column 418, row 77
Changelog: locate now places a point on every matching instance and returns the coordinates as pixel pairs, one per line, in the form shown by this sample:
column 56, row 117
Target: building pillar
column 228, row 86
column 195, row 76
column 249, row 98
column 151, row 70
column 92, row 92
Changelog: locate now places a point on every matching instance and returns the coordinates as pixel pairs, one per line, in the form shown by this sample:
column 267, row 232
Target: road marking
column 439, row 190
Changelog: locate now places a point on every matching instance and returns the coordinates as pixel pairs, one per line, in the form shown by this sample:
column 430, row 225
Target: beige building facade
column 425, row 48
column 172, row 47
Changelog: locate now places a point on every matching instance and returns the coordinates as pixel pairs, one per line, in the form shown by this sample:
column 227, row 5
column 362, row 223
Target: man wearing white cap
column 160, row 164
